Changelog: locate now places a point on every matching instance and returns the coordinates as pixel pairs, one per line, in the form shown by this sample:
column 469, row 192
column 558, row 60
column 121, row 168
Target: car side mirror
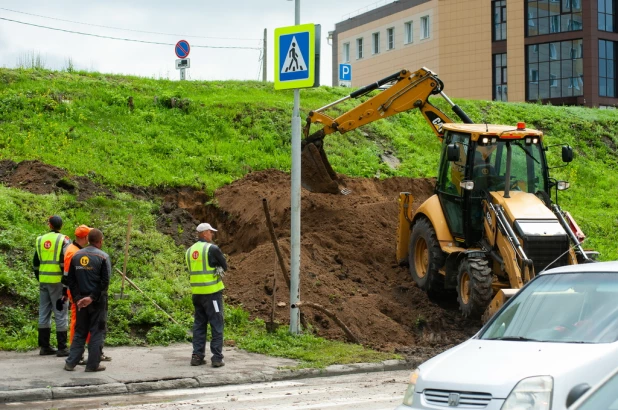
column 576, row 392
column 452, row 152
column 567, row 153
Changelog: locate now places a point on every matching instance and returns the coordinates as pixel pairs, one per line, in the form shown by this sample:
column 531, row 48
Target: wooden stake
column 126, row 256
column 273, row 237
column 284, row 270
column 334, row 317
column 130, row 282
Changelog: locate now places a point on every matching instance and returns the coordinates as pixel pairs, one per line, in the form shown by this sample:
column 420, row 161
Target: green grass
column 309, row 350
column 155, row 264
column 207, row 134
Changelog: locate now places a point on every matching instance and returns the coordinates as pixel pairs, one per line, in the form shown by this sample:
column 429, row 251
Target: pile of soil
column 40, row 178
column 348, row 262
column 348, row 245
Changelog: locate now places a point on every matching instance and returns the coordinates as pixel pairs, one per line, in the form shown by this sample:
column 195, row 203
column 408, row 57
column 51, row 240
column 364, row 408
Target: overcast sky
column 231, row 23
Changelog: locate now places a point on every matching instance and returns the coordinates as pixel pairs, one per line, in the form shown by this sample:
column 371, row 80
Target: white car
column 559, row 331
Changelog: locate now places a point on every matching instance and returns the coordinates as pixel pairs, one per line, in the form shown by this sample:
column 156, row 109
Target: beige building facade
column 558, row 51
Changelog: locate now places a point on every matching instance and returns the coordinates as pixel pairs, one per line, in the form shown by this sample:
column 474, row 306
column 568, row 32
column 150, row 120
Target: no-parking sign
column 182, row 49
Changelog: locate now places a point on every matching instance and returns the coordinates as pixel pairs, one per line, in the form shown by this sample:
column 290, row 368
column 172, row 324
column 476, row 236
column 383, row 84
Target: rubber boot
column 46, row 349
column 63, row 349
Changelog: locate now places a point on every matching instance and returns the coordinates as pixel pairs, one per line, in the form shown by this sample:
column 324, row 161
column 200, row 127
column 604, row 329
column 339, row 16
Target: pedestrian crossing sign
column 295, row 57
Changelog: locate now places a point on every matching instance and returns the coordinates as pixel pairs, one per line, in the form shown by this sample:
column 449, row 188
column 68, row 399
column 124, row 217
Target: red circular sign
column 47, row 244
column 195, row 255
column 182, row 49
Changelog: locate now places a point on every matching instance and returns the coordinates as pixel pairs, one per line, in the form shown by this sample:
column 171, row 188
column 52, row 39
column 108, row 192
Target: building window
column 425, row 27
column 499, row 70
column 553, row 80
column 359, row 48
column 408, row 28
column 553, row 16
column 499, row 22
column 346, row 52
column 554, row 24
column 555, row 70
column 553, row 53
column 607, row 68
column 375, row 43
column 606, row 10
column 390, row 38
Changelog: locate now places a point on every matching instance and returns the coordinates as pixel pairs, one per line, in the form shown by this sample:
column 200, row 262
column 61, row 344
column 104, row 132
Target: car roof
column 610, row 267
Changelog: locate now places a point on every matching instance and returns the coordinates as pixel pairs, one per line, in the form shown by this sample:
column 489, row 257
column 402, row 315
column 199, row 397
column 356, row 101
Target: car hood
column 496, row 366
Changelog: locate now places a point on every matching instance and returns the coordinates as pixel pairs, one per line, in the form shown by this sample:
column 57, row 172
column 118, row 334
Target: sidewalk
column 28, row 376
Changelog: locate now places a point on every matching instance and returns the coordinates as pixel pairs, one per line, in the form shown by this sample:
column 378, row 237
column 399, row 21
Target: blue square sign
column 294, row 56
column 345, row 72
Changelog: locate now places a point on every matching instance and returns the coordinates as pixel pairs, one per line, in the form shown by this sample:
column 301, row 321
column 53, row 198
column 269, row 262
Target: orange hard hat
column 82, row 231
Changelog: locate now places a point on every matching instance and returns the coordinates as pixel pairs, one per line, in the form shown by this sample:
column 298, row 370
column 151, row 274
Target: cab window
column 454, row 171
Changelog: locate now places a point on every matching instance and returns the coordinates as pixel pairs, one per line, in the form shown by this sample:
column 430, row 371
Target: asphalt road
column 363, row 391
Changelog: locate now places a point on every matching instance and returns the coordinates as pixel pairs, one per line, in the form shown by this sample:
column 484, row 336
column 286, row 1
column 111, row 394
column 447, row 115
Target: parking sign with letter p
column 345, row 72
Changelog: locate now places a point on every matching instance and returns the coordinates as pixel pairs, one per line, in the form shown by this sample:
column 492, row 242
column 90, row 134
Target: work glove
column 60, row 305
column 219, row 272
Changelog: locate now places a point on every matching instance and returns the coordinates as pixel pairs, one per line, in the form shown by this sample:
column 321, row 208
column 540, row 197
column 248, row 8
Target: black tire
column 426, row 257
column 474, row 290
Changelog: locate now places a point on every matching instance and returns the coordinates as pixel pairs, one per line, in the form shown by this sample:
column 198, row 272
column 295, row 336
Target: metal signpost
column 182, row 50
column 295, row 49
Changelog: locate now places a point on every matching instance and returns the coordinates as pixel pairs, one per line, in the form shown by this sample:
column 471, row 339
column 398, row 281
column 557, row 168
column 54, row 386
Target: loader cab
column 474, row 163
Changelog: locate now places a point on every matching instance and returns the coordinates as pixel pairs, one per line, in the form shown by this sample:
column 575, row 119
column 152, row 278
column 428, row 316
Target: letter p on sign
column 345, row 72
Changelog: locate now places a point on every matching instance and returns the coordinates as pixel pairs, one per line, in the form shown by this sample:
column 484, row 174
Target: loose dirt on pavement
column 348, row 242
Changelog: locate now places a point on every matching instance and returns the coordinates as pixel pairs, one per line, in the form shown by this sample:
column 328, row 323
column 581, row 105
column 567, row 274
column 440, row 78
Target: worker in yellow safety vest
column 48, row 264
column 207, row 265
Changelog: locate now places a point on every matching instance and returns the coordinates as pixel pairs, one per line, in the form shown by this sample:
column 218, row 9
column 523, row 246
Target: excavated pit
column 347, row 251
column 348, row 262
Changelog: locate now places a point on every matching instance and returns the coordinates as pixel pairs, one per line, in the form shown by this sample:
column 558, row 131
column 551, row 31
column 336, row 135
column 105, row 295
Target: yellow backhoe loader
column 491, row 224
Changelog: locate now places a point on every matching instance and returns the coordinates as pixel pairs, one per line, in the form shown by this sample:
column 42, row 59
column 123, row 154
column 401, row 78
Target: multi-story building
column 557, row 51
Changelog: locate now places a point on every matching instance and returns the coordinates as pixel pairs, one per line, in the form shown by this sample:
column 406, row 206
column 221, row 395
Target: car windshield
column 567, row 308
column 605, row 398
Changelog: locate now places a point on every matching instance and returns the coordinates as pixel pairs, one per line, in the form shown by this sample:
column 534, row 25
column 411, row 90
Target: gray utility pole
column 264, row 59
column 295, row 211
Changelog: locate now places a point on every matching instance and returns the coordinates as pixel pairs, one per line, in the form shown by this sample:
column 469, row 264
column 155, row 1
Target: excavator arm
column 407, row 90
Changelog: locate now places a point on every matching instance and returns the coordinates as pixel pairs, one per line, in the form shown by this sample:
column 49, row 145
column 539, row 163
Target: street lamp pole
column 295, row 205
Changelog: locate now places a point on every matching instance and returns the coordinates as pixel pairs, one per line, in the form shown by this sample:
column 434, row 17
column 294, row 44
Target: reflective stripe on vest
column 203, row 280
column 49, row 248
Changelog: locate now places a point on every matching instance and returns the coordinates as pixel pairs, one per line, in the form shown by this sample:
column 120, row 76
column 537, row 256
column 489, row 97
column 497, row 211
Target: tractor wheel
column 426, row 257
column 474, row 290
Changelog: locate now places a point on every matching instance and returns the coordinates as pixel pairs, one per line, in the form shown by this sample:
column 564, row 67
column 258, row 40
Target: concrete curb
column 91, row 390
column 25, row 395
column 200, row 381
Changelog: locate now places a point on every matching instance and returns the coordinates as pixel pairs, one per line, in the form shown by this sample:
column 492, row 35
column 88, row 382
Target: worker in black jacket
column 88, row 281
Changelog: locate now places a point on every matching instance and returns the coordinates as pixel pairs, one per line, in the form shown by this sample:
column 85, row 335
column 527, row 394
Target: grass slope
column 207, row 134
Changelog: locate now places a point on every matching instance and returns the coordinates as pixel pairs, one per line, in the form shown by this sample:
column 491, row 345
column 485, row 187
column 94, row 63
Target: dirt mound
column 347, row 251
column 40, row 178
column 347, row 260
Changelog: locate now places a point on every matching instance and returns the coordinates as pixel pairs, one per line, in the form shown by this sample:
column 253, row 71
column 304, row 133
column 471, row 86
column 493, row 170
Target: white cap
column 205, row 227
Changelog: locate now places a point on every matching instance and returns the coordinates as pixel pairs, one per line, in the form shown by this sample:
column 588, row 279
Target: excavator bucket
column 400, row 92
column 497, row 302
column 316, row 173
